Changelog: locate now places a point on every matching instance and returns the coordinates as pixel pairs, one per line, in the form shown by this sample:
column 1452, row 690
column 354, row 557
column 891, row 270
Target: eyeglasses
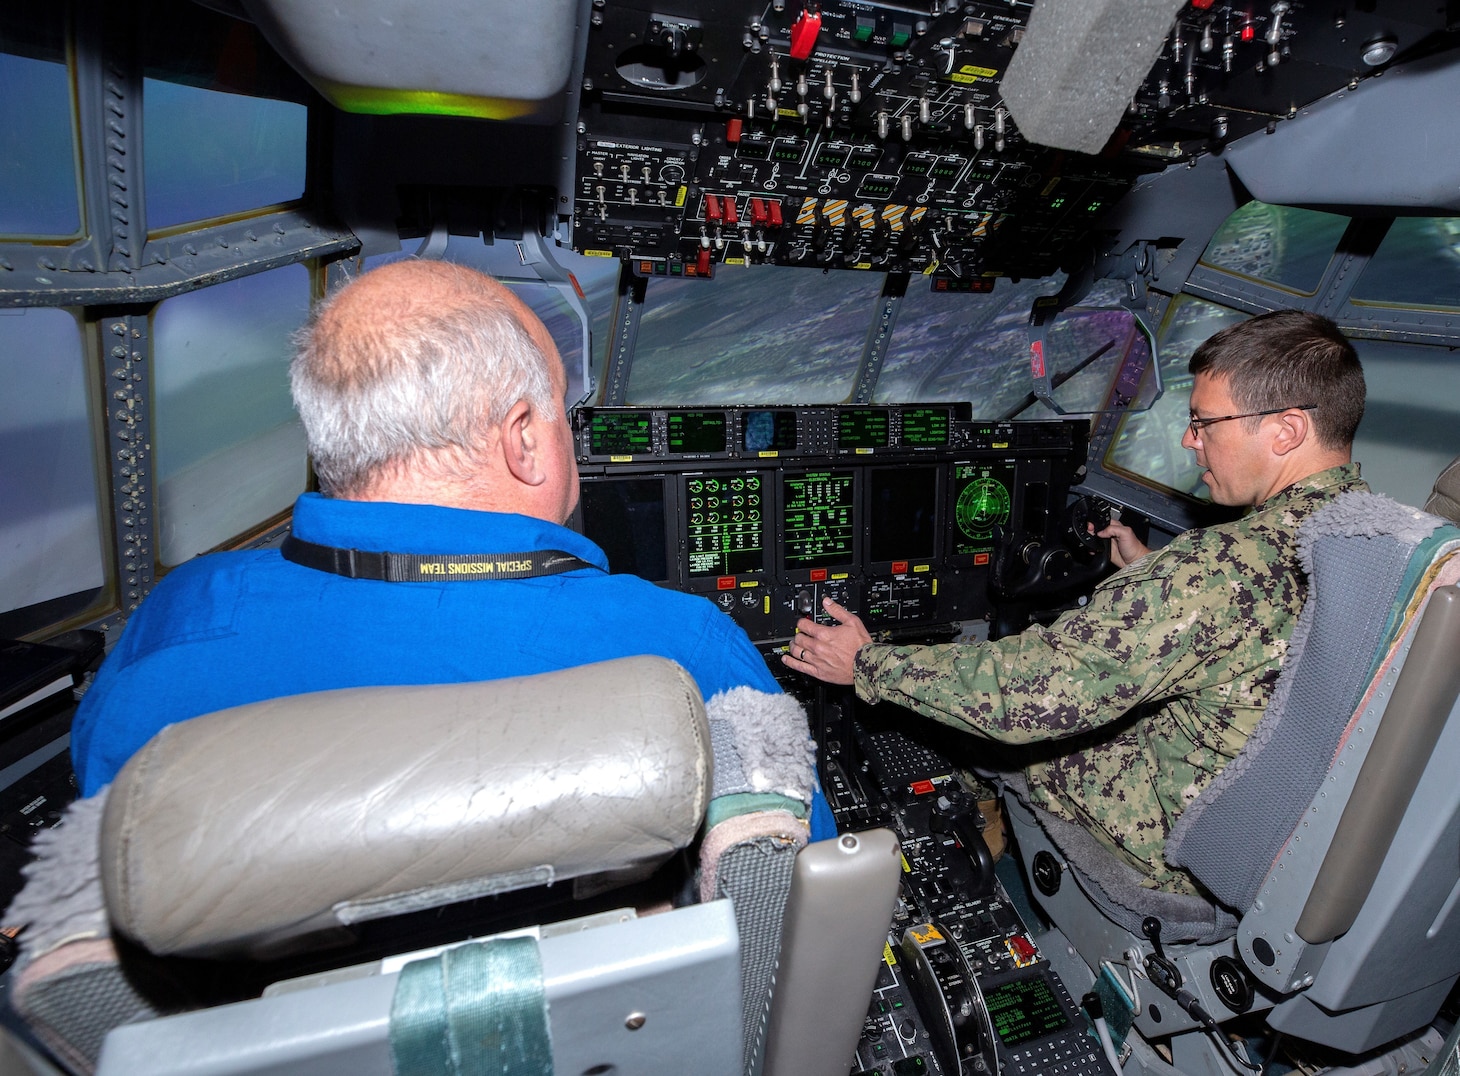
column 1196, row 425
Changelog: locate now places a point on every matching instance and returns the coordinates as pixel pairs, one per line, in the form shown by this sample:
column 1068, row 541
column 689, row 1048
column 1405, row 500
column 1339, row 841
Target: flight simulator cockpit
column 886, row 302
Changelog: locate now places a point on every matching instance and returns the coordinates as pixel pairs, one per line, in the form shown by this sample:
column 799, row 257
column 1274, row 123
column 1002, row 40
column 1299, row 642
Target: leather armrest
column 231, row 831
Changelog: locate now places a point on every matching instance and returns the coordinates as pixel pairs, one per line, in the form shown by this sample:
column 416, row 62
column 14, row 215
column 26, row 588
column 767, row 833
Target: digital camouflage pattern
column 1175, row 655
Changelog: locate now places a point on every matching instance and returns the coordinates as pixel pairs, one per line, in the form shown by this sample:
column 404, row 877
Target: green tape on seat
column 475, row 1010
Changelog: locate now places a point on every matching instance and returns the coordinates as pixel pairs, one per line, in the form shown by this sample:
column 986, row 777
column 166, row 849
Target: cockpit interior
column 889, row 302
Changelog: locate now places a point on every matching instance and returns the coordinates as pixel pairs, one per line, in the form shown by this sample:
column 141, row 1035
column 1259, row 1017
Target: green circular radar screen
column 983, row 503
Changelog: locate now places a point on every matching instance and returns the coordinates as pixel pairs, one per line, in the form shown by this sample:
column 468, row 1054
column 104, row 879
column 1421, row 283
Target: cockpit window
column 1279, row 244
column 962, row 347
column 223, row 120
column 38, row 190
column 51, row 565
column 1417, row 264
column 1147, row 446
column 213, row 154
column 230, row 451
column 1411, row 417
column 762, row 334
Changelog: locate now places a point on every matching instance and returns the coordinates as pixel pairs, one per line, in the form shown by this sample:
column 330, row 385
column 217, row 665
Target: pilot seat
column 237, row 848
column 1327, row 846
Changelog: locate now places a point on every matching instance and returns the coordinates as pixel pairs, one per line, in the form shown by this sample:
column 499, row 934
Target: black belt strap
column 428, row 568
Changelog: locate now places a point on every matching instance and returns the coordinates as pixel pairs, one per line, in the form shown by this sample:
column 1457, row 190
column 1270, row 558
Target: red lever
column 804, row 32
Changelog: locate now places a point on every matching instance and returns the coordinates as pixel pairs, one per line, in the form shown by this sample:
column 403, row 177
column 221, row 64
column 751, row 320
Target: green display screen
column 619, row 433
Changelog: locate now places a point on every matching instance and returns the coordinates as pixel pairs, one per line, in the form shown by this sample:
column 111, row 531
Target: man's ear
column 519, row 443
column 1295, row 429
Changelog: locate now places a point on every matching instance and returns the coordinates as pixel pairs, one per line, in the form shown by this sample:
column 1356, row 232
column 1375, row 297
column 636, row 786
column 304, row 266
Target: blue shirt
column 234, row 628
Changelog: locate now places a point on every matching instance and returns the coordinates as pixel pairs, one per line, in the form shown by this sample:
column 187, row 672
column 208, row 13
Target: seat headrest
column 232, row 831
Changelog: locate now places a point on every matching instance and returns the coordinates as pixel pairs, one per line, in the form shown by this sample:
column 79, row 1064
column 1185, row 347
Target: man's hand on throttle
column 827, row 651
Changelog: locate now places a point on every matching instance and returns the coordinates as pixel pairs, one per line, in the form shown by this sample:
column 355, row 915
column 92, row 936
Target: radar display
column 981, row 502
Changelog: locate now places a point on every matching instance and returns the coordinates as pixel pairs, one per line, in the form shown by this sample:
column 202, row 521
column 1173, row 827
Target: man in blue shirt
column 433, row 401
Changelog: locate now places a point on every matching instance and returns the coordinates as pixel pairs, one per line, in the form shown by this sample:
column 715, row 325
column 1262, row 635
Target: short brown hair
column 1290, row 358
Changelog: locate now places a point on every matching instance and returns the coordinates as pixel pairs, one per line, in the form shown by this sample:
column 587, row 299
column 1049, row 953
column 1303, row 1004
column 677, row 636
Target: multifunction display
column 768, row 431
column 1024, row 1009
column 926, row 427
column 862, row 428
column 902, row 511
column 981, row 502
column 770, row 511
column 724, row 524
column 620, row 433
column 694, row 433
column 819, row 513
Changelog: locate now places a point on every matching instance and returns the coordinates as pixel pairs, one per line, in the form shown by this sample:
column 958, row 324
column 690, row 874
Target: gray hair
column 376, row 396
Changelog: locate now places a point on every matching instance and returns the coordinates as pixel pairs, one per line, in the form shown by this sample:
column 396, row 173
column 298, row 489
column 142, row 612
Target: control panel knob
column 802, row 602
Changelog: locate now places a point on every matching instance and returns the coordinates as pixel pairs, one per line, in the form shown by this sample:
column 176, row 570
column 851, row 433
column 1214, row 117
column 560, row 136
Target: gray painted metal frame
column 119, row 273
column 660, row 994
column 624, row 337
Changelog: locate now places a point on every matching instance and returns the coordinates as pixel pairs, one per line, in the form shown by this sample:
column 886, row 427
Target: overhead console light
column 1380, row 50
column 490, row 59
column 1079, row 65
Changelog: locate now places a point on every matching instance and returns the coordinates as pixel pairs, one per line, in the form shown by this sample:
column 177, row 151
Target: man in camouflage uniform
column 1177, row 653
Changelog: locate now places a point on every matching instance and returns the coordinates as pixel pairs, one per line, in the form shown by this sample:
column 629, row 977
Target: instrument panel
column 964, row 989
column 894, row 512
column 903, row 514
column 873, row 134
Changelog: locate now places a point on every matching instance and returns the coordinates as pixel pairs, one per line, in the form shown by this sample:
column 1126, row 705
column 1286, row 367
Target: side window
column 38, row 185
column 230, row 451
column 51, row 561
column 215, row 154
column 1411, row 426
column 1277, row 244
column 1417, row 265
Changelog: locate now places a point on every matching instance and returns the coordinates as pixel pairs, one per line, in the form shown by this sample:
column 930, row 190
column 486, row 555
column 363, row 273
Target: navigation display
column 620, row 433
column 862, row 428
column 981, row 502
column 625, row 517
column 1024, row 1009
column 724, row 524
column 818, row 519
column 924, row 427
column 768, row 431
column 902, row 513
column 696, row 432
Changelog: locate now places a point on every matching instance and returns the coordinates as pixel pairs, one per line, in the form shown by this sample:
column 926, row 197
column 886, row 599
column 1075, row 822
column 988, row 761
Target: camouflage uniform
column 1175, row 655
